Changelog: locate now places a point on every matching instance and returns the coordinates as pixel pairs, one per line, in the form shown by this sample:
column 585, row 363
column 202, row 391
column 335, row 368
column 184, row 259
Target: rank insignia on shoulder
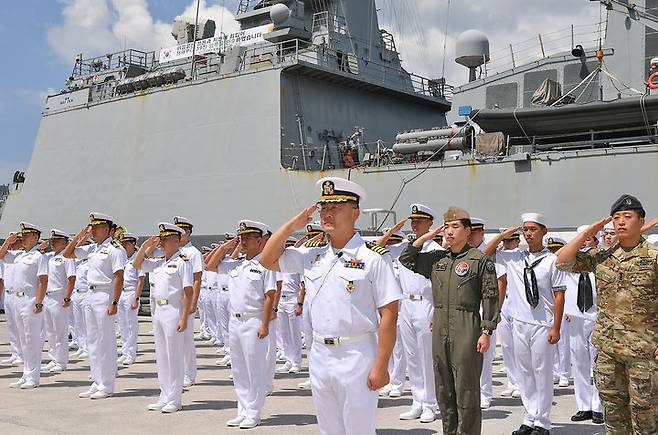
column 315, row 244
column 350, row 286
column 378, row 249
column 354, row 263
column 184, row 257
column 115, row 244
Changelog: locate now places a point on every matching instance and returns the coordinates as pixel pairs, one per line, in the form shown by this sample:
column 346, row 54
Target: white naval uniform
column 397, row 365
column 196, row 261
column 562, row 361
column 128, row 322
column 416, row 314
column 583, row 351
column 486, row 377
column 11, row 310
column 534, row 354
column 203, row 306
column 506, row 336
column 223, row 310
column 249, row 282
column 104, row 260
column 78, row 303
column 212, row 304
column 56, row 316
column 28, row 266
column 170, row 278
column 290, row 326
column 344, row 290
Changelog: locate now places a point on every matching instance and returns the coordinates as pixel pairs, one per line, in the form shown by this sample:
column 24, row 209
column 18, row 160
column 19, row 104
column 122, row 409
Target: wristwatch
column 38, row 306
column 115, row 302
column 276, row 310
column 67, row 300
column 301, row 304
column 487, row 332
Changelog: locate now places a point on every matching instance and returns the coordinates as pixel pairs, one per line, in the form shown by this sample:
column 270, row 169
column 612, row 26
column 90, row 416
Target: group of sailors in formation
column 369, row 313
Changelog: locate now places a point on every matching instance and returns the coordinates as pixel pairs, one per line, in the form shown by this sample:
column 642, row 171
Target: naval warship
column 220, row 127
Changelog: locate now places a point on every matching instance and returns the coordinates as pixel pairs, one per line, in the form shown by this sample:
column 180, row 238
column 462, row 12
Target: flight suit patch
column 462, row 269
column 490, row 266
column 350, row 286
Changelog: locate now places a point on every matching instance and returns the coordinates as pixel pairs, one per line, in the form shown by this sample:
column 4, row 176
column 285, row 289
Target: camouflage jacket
column 627, row 292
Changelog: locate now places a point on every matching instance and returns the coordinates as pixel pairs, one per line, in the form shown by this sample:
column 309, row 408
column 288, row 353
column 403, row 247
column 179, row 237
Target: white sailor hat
column 128, row 237
column 477, row 224
column 421, row 211
column 515, row 236
column 27, row 227
column 609, row 226
column 58, row 234
column 396, row 237
column 96, row 218
column 214, row 245
column 653, row 239
column 169, row 229
column 554, row 242
column 205, row 249
column 290, row 242
column 183, row 222
column 313, row 229
column 335, row 189
column 537, row 218
column 247, row 226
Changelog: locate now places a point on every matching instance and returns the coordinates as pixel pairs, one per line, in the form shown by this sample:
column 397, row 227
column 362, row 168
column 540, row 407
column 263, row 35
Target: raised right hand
column 431, row 234
column 303, row 218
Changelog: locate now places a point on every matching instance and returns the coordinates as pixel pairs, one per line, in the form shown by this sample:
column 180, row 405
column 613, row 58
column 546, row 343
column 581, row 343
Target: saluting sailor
column 78, row 303
column 61, row 280
column 196, row 261
column 106, row 263
column 133, row 283
column 251, row 293
column 11, row 308
column 173, row 293
column 30, row 279
column 348, row 283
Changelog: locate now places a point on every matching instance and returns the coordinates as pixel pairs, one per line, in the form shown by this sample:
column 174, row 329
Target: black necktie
column 585, row 293
column 531, row 288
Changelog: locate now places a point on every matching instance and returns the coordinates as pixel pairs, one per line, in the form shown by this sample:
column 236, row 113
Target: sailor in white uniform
column 173, row 293
column 562, row 361
column 61, row 281
column 196, row 261
column 78, row 303
column 290, row 322
column 580, row 307
column 212, row 304
column 223, row 312
column 348, row 283
column 30, row 280
column 11, row 309
column 415, row 320
column 106, row 262
column 251, row 292
column 133, row 283
column 535, row 302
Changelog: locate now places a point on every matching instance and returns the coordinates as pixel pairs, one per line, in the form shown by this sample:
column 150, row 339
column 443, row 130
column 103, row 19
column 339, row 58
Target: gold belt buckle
column 20, row 294
column 162, row 302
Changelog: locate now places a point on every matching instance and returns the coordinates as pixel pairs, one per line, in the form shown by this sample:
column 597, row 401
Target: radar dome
column 279, row 14
column 472, row 49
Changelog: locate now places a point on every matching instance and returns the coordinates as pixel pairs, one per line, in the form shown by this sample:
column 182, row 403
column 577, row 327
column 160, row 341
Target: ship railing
column 113, row 61
column 545, row 45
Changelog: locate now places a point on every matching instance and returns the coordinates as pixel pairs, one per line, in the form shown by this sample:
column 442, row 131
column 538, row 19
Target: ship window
column 532, row 81
column 576, row 73
column 503, row 96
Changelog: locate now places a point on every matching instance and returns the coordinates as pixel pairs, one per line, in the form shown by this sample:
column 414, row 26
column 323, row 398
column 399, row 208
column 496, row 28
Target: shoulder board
column 315, row 244
column 378, row 249
column 184, row 257
column 116, row 244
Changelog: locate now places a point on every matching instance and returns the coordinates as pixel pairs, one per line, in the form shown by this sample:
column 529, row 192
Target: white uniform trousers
column 506, row 335
column 203, row 310
column 128, row 324
column 414, row 328
column 223, row 318
column 56, row 324
column 271, row 354
column 583, row 354
column 486, row 377
column 168, row 357
column 78, row 302
column 189, row 349
column 290, row 332
column 339, row 379
column 562, row 362
column 534, row 355
column 397, row 365
column 211, row 314
column 101, row 341
column 29, row 327
column 249, row 365
column 11, row 310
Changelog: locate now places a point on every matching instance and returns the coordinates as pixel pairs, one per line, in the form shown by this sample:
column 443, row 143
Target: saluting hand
column 597, row 226
column 43, row 245
column 427, row 236
column 11, row 239
column 508, row 232
column 398, row 226
column 303, row 218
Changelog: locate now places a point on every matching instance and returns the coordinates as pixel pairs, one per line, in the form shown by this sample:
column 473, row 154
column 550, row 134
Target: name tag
column 645, row 264
column 441, row 267
column 260, row 272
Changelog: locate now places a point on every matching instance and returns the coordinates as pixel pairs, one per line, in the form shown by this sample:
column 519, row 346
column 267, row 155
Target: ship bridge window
column 574, row 74
column 532, row 81
column 504, row 96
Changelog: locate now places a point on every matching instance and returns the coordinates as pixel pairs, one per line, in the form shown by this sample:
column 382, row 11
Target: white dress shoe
column 427, row 416
column 412, row 414
column 83, row 355
column 295, row 369
column 556, row 379
column 383, row 391
column 18, row 362
column 9, row 361
column 564, row 382
column 48, row 366
column 128, row 361
column 284, row 368
column 28, row 385
column 17, row 384
column 249, row 423
column 170, row 408
column 226, row 361
column 485, row 404
column 121, row 359
column 100, row 395
column 187, row 382
column 306, row 385
column 516, row 394
column 156, row 406
column 56, row 369
column 395, row 392
column 235, row 422
column 86, row 394
column 507, row 393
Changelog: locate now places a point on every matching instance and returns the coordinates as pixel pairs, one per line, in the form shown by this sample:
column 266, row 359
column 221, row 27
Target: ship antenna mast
column 445, row 42
column 196, row 29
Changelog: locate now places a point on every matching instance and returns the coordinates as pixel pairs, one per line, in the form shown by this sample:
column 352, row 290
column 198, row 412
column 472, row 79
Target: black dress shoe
column 524, row 430
column 597, row 418
column 582, row 416
column 540, row 431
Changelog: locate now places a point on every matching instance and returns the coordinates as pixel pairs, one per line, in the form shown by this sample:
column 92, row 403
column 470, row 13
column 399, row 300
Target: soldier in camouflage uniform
column 626, row 329
column 462, row 279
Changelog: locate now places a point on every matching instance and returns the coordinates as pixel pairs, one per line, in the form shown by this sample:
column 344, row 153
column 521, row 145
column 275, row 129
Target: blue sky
column 39, row 39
